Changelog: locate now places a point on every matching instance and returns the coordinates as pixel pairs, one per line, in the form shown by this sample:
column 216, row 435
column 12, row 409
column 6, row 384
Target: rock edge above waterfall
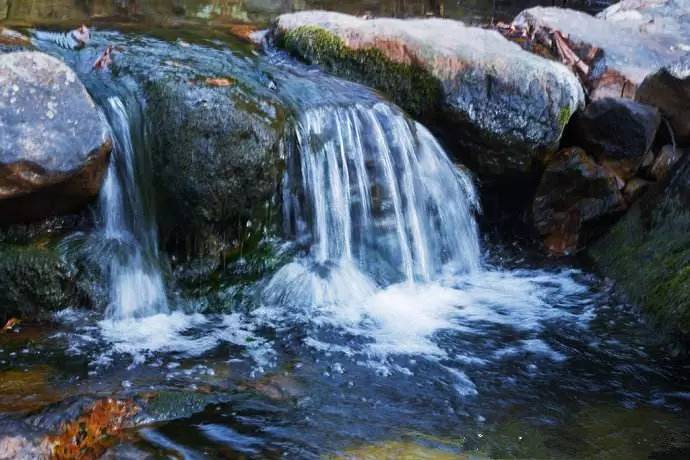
column 504, row 108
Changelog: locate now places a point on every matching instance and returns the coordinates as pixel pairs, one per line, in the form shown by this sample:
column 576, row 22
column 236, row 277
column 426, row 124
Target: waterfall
column 376, row 201
column 136, row 287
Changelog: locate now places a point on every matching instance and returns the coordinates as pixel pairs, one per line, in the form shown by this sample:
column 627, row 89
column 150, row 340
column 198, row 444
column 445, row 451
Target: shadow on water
column 521, row 358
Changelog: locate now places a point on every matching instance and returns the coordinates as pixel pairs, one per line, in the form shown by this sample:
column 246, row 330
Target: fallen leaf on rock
column 221, row 82
column 10, row 324
column 94, row 431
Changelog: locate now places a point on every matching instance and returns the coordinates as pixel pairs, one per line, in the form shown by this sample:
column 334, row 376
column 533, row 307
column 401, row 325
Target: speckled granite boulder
column 54, row 141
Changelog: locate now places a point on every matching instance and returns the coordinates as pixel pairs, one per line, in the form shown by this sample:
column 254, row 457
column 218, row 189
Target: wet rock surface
column 573, row 194
column 624, row 44
column 54, row 142
column 230, row 155
column 503, row 106
column 617, row 132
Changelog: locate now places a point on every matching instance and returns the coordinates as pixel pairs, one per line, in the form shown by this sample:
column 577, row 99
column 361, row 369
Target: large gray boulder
column 54, row 141
column 630, row 40
column 502, row 106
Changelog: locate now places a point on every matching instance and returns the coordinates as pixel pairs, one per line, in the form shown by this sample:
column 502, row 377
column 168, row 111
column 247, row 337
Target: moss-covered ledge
column 408, row 85
column 648, row 254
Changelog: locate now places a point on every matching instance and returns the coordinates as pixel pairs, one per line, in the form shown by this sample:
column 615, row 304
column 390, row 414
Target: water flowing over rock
column 54, row 141
column 573, row 194
column 628, row 41
column 136, row 287
column 504, row 106
column 617, row 132
column 648, row 252
column 367, row 193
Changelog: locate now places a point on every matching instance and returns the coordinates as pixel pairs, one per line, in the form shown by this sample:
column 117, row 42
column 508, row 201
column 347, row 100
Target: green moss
column 563, row 116
column 649, row 256
column 35, row 281
column 409, row 86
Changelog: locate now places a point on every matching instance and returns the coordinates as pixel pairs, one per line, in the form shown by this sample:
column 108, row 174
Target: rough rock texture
column 573, row 196
column 669, row 90
column 230, row 153
column 635, row 39
column 665, row 161
column 648, row 253
column 54, row 141
column 36, row 281
column 617, row 132
column 505, row 106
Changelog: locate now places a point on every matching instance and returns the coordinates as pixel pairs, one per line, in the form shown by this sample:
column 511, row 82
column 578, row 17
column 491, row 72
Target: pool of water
column 527, row 359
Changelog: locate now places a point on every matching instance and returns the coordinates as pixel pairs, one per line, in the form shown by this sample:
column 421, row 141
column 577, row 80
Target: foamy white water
column 136, row 284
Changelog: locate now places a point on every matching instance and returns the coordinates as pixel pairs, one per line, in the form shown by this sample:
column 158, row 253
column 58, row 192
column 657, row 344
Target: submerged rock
column 617, row 132
column 54, row 141
column 648, row 253
column 574, row 194
column 627, row 42
column 669, row 90
column 503, row 106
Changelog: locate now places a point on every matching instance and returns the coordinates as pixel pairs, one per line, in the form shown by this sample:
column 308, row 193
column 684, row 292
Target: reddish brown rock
column 574, row 194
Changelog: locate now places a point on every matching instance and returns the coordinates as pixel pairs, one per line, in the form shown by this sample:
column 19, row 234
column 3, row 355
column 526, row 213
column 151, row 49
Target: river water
column 394, row 329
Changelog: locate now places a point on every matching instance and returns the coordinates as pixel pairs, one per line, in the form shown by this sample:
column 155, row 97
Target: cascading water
column 385, row 216
column 368, row 186
column 136, row 287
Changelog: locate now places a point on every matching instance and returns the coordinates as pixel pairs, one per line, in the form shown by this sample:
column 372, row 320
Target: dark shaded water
column 522, row 358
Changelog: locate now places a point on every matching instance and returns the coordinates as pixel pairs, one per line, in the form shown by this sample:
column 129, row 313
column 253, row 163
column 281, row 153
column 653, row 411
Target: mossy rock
column 217, row 163
column 648, row 254
column 409, row 86
column 35, row 282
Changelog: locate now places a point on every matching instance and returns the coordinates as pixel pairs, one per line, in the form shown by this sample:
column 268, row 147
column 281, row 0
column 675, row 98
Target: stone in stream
column 574, row 194
column 54, row 141
column 669, row 90
column 503, row 107
column 648, row 253
column 229, row 150
column 623, row 44
column 617, row 132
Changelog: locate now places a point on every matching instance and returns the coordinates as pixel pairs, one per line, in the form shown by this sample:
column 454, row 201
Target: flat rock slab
column 636, row 38
column 510, row 104
column 54, row 141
